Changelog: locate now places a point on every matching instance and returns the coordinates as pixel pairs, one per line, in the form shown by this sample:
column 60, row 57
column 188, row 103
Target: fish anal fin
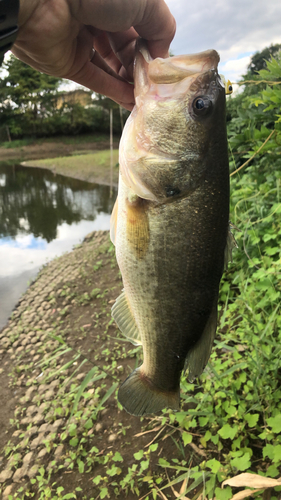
column 139, row 396
column 125, row 320
column 113, row 222
column 198, row 356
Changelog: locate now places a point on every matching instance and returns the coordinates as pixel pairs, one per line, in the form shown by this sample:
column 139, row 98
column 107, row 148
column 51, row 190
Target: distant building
column 78, row 96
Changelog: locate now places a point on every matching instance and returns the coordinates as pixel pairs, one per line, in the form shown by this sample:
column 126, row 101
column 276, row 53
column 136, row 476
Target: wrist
column 9, row 10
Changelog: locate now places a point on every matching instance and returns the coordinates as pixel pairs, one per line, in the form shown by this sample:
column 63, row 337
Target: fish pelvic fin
column 125, row 320
column 198, row 356
column 139, row 396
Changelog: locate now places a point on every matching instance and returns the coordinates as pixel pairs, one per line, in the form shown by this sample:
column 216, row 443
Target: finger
column 101, row 63
column 123, row 44
column 102, row 45
column 151, row 19
column 157, row 26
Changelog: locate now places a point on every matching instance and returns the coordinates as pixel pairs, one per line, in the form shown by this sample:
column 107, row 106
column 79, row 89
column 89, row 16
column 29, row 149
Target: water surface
column 42, row 215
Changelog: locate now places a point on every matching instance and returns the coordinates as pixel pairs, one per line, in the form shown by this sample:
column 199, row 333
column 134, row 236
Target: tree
column 259, row 59
column 27, row 96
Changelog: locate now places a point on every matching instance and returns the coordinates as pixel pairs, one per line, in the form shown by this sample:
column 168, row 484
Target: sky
column 235, row 28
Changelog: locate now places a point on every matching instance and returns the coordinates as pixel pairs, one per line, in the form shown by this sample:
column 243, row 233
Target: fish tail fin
column 139, row 396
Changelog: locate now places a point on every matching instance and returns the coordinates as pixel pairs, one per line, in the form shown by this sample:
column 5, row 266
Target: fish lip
column 162, row 78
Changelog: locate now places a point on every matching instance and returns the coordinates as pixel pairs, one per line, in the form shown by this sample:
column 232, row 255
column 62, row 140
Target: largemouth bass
column 170, row 223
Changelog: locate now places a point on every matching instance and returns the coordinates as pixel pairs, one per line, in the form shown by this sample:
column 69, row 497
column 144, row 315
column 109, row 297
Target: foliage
column 259, row 59
column 26, row 96
column 29, row 106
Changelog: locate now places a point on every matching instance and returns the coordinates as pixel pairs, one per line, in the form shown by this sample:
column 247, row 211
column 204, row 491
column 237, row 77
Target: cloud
column 232, row 28
column 234, row 68
column 25, row 252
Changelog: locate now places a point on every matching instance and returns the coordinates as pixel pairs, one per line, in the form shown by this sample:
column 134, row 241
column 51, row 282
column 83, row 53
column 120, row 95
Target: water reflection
column 35, row 201
column 42, row 215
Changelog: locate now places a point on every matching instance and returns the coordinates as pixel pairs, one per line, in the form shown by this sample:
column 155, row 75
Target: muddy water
column 42, row 215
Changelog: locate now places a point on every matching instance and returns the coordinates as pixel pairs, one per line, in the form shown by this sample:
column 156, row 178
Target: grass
column 91, row 167
column 19, row 143
column 77, row 139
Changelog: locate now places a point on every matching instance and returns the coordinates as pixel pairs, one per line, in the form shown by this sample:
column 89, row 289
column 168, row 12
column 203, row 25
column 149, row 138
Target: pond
column 42, row 215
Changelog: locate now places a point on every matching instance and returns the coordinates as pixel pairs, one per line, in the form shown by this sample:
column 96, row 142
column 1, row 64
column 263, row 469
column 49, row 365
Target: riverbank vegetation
column 33, row 106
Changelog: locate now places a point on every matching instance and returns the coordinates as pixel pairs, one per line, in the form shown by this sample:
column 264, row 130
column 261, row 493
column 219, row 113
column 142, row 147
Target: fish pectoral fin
column 230, row 244
column 140, row 396
column 125, row 320
column 198, row 356
column 113, row 222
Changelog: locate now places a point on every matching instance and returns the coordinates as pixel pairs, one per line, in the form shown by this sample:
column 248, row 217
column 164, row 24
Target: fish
column 170, row 223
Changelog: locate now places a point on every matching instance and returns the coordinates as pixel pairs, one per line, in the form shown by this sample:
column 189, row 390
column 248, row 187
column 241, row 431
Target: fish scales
column 170, row 227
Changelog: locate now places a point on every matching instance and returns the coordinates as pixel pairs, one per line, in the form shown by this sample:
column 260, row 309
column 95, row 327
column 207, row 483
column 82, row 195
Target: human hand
column 57, row 37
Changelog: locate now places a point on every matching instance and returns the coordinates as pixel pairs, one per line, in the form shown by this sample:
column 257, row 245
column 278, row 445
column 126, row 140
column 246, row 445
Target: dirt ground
column 59, row 332
column 40, row 150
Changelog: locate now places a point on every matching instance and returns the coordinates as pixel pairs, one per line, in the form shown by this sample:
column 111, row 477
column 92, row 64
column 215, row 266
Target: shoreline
column 90, row 167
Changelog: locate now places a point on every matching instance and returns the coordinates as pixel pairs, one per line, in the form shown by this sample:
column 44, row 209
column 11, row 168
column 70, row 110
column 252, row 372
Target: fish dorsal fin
column 125, row 320
column 113, row 222
column 198, row 356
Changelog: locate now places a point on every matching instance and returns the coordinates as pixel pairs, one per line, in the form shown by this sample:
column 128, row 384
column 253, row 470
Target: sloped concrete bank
column 48, row 339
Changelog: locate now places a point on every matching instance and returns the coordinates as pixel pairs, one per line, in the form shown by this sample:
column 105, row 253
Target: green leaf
column 74, row 442
column 275, row 423
column 103, row 493
column 186, row 437
column 144, row 464
column 81, row 466
column 114, row 471
column 242, row 463
column 252, row 419
column 214, row 465
column 153, row 447
column 223, row 494
column 138, row 455
column 268, row 451
column 117, row 457
column 72, row 430
column 277, row 453
column 227, row 432
column 89, row 424
column 163, row 462
column 203, row 421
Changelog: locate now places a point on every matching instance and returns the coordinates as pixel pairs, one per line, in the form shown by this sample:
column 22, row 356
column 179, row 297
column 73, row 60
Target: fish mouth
column 175, row 75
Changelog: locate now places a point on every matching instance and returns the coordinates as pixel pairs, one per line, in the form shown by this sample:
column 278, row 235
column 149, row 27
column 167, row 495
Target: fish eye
column 202, row 105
